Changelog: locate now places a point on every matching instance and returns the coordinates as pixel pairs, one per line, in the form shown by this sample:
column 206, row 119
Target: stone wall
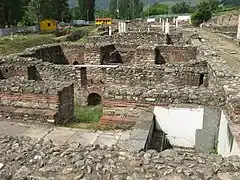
column 63, row 53
column 130, row 102
column 173, row 54
column 176, row 74
column 36, row 101
column 137, row 38
column 226, row 24
column 146, row 55
column 229, row 19
column 127, row 52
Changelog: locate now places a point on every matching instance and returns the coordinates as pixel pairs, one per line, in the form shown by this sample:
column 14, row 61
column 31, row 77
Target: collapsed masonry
column 129, row 74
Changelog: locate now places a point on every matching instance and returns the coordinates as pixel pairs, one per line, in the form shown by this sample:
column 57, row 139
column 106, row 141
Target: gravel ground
column 22, row 159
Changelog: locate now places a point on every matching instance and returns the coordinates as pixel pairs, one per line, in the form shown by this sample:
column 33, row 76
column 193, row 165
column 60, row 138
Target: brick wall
column 127, row 52
column 74, row 53
column 36, row 101
column 173, row 54
column 137, row 38
column 229, row 19
column 124, row 103
column 170, row 54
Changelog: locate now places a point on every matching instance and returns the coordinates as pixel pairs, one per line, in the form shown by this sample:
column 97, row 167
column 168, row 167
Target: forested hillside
column 104, row 3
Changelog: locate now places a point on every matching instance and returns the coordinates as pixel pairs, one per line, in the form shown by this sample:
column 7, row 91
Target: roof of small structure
column 49, row 20
column 104, row 19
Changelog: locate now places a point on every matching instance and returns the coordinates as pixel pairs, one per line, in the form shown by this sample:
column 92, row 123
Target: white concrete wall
column 227, row 146
column 180, row 124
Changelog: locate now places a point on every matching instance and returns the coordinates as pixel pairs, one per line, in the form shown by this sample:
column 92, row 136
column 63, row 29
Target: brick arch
column 94, row 96
column 96, row 90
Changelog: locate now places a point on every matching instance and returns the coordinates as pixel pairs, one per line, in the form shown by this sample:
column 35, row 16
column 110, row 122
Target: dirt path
column 229, row 50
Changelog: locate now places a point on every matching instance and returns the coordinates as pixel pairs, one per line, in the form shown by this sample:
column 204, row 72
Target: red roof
column 103, row 19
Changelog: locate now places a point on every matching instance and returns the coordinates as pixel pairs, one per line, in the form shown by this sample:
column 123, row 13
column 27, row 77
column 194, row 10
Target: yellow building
column 102, row 21
column 48, row 25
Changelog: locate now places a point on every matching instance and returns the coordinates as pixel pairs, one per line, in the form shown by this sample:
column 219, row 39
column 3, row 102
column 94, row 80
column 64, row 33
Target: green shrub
column 76, row 35
column 203, row 12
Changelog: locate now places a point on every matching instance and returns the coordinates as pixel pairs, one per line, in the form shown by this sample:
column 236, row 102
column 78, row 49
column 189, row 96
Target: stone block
column 211, row 119
column 204, row 141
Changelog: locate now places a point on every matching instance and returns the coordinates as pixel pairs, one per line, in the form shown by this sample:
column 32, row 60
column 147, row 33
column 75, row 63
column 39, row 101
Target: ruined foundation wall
column 62, row 53
column 176, row 74
column 73, row 52
column 229, row 19
column 138, row 38
column 177, row 53
column 146, row 55
column 127, row 52
column 35, row 101
column 122, row 101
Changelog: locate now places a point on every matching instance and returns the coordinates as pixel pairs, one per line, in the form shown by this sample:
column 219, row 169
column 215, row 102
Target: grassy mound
column 18, row 43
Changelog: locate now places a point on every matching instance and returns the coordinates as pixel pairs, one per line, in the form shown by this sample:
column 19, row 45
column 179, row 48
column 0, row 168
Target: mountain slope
column 104, row 3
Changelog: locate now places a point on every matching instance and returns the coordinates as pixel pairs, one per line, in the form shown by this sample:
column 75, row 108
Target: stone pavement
column 62, row 135
column 131, row 140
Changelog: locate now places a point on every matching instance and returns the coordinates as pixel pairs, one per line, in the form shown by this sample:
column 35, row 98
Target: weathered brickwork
column 36, row 101
column 225, row 24
column 229, row 19
column 138, row 38
column 136, row 85
column 166, row 53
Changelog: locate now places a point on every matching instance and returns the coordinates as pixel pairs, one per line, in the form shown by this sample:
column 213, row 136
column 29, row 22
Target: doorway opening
column 201, row 79
column 159, row 59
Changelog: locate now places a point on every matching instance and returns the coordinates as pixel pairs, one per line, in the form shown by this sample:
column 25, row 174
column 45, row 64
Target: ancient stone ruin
column 192, row 97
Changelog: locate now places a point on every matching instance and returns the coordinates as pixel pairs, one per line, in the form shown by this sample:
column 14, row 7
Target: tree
column 123, row 9
column 156, row 9
column 203, row 12
column 182, row 7
column 61, row 10
column 2, row 14
column 113, row 8
column 129, row 9
column 102, row 13
column 90, row 10
column 87, row 9
column 82, row 4
column 75, row 13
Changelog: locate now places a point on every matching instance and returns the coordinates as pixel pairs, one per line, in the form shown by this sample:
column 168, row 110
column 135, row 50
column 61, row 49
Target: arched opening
column 115, row 58
column 94, row 99
column 75, row 63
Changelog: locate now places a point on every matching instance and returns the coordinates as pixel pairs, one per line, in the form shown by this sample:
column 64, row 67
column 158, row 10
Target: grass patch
column 88, row 117
column 88, row 114
column 20, row 42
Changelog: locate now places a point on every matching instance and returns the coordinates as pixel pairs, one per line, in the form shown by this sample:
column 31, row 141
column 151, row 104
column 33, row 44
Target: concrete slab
column 37, row 132
column 125, row 136
column 106, row 140
column 83, row 137
column 225, row 176
column 138, row 134
column 12, row 129
column 117, row 134
column 204, row 141
column 59, row 136
column 131, row 145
